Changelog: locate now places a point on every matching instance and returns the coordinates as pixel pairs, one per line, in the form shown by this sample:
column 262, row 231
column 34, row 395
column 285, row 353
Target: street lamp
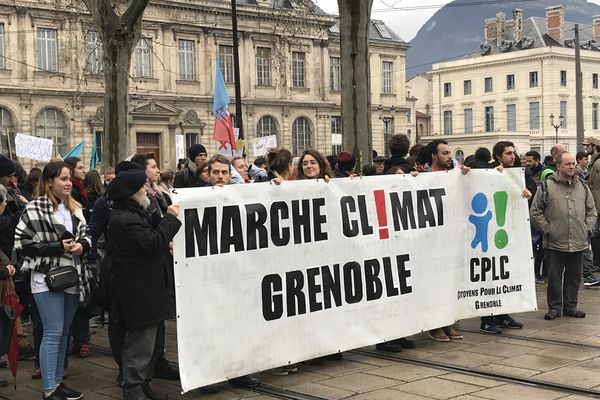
column 556, row 126
column 387, row 119
column 387, row 132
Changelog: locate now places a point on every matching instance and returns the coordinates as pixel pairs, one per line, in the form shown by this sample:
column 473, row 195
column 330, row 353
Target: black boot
column 165, row 370
column 151, row 394
column 134, row 393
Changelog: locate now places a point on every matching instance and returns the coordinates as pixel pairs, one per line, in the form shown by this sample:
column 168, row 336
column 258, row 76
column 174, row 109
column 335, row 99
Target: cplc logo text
column 481, row 219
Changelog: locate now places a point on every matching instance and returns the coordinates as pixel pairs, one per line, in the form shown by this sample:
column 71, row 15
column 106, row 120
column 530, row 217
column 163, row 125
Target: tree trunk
column 355, row 17
column 120, row 34
column 116, row 136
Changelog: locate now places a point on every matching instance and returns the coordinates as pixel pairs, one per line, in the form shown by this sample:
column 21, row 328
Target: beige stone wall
column 548, row 63
column 25, row 90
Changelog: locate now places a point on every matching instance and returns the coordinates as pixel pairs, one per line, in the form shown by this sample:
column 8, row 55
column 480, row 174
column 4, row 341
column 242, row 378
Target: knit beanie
column 126, row 184
column 345, row 161
column 196, row 149
column 7, row 166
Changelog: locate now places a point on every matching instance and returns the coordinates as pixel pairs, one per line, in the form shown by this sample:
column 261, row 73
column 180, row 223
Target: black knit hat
column 126, row 184
column 196, row 149
column 126, row 166
column 345, row 161
column 7, row 166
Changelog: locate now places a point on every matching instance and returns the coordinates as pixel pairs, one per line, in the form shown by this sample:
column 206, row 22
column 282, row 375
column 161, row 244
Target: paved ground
column 363, row 377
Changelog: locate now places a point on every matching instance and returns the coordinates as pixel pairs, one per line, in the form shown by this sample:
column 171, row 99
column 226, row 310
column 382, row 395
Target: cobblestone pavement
column 360, row 376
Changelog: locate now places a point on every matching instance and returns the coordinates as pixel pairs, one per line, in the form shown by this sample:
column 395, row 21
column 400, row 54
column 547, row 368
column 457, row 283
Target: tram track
column 575, row 390
column 535, row 339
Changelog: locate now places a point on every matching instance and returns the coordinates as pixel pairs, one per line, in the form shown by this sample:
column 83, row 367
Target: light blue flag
column 75, row 152
column 94, row 158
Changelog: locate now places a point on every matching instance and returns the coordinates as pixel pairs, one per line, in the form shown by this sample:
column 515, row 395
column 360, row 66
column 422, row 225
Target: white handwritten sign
column 179, row 144
column 261, row 145
column 36, row 148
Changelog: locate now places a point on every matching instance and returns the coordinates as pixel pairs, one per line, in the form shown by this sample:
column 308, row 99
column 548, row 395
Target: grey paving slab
column 406, row 372
column 326, row 392
column 359, row 382
column 577, row 328
column 508, row 370
column 571, row 376
column 520, row 392
column 473, row 380
column 377, row 362
column 522, row 342
column 536, row 362
column 337, row 368
column 465, row 358
column 437, row 388
column 570, row 352
column 387, row 394
column 500, row 349
column 294, row 379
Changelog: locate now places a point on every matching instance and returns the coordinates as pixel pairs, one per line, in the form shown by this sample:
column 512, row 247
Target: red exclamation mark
column 381, row 214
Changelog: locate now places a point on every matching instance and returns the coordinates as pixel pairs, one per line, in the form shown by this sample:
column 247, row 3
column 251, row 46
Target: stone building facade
column 523, row 73
column 51, row 79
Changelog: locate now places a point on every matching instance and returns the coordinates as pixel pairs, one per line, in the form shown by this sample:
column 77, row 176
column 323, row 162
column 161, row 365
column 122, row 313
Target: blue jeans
column 56, row 311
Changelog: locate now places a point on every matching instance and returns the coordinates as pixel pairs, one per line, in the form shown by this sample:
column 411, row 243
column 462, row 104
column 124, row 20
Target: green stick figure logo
column 481, row 219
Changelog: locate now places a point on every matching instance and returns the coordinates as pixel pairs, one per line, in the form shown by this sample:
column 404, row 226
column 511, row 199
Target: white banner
column 32, row 147
column 268, row 275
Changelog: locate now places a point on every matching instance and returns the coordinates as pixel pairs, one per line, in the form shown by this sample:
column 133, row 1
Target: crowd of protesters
column 77, row 244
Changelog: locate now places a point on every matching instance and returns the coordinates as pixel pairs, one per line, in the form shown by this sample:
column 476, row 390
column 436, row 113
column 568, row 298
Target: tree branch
column 102, row 12
column 134, row 12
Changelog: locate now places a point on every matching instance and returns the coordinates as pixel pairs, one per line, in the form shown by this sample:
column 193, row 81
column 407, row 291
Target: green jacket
column 565, row 213
column 594, row 179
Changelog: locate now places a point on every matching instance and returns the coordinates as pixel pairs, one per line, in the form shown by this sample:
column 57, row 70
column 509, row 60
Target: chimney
column 500, row 25
column 555, row 20
column 596, row 24
column 518, row 21
column 490, row 30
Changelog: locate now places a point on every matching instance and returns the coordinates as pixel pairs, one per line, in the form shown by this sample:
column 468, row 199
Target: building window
column 387, row 86
column 388, row 131
column 298, row 69
column 511, row 117
column 510, row 82
column 467, row 87
column 266, row 126
column 489, row 85
column 595, row 81
column 447, row 122
column 336, row 135
column 335, row 74
column 98, row 138
column 190, row 139
column 226, row 62
column 563, row 78
column 534, row 115
column 7, row 131
column 47, row 59
column 50, row 123
column 594, row 116
column 95, row 56
column 263, row 66
column 533, row 79
column 187, row 60
column 468, row 120
column 143, row 58
column 563, row 112
column 459, row 156
column 301, row 135
column 447, row 89
column 2, row 51
column 489, row 119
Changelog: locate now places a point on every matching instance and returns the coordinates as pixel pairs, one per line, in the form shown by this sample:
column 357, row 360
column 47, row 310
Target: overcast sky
column 404, row 22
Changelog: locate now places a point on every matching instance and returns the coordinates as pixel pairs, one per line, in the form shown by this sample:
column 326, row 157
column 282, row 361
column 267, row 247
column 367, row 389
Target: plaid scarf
column 38, row 224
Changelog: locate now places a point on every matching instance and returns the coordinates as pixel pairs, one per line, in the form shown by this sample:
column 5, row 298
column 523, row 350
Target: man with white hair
column 139, row 269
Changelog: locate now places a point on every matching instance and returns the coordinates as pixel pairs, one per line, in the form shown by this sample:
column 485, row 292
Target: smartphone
column 67, row 235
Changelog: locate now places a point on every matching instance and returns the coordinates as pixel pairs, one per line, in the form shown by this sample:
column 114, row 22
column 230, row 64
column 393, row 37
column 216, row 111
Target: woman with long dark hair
column 93, row 187
column 52, row 234
column 313, row 165
column 29, row 189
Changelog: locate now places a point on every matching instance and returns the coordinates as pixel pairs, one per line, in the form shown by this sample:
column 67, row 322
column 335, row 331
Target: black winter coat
column 397, row 161
column 8, row 222
column 139, row 267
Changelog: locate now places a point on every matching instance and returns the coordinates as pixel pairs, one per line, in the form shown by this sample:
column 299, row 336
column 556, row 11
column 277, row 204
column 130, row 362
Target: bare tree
column 355, row 18
column 119, row 32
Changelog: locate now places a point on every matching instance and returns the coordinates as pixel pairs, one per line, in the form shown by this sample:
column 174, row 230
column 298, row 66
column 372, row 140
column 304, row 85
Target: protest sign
column 32, row 147
column 269, row 275
column 179, row 147
column 261, row 145
column 225, row 148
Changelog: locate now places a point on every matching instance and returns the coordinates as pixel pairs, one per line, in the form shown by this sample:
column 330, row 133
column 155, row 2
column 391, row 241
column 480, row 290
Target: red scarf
column 79, row 185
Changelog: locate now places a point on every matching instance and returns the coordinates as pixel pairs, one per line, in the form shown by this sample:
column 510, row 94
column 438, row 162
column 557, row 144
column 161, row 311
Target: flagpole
column 236, row 72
